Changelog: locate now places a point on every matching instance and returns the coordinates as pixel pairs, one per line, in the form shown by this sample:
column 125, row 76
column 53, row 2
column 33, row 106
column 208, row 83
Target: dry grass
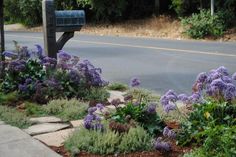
column 161, row 27
column 154, row 27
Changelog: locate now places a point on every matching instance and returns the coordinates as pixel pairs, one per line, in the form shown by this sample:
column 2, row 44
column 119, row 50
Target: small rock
column 45, row 128
column 111, row 107
column 116, row 95
column 55, row 138
column 77, row 123
column 50, row 119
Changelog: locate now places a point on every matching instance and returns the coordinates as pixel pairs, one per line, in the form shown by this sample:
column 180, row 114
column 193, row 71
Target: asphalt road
column 159, row 63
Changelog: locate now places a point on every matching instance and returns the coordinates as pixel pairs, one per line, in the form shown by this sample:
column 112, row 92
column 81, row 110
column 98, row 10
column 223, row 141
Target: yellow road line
column 143, row 47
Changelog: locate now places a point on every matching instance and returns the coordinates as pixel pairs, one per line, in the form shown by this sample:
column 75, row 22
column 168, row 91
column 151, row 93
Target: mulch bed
column 176, row 151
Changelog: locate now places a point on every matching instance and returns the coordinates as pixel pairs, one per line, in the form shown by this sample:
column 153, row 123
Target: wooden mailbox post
column 59, row 21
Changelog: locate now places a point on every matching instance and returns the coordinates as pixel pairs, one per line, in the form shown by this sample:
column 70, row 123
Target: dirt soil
column 176, row 151
column 154, row 27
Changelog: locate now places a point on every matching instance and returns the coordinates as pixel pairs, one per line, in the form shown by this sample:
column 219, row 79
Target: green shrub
column 32, row 109
column 117, row 86
column 203, row 24
column 204, row 116
column 146, row 95
column 66, row 109
column 13, row 117
column 108, row 142
column 220, row 141
column 8, row 99
column 144, row 114
column 27, row 12
column 137, row 139
column 97, row 94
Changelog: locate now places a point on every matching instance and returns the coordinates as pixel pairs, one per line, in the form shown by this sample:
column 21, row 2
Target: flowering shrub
column 212, row 104
column 41, row 78
column 140, row 111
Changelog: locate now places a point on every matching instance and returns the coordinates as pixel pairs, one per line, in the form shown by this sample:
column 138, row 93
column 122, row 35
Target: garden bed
column 131, row 123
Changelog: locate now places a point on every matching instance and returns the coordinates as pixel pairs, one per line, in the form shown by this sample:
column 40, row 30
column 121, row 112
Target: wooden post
column 2, row 46
column 49, row 28
column 2, row 29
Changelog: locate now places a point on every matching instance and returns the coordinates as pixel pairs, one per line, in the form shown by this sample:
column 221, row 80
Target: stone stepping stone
column 77, row 123
column 45, row 128
column 55, row 138
column 50, row 119
column 116, row 95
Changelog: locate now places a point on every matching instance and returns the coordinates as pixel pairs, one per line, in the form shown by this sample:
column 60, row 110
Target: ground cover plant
column 67, row 110
column 38, row 78
column 13, row 117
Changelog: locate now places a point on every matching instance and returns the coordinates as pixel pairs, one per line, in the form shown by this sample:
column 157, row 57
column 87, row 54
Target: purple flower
column 227, row 79
column 164, row 100
column 223, row 71
column 28, row 80
column 9, row 54
column 171, row 92
column 166, row 131
column 100, row 106
column 201, row 78
column 91, row 110
column 169, row 107
column 219, row 84
column 234, row 76
column 39, row 51
column 183, row 97
column 74, row 76
column 195, row 98
column 23, row 88
column 64, row 56
column 172, row 98
column 230, row 92
column 169, row 133
column 134, row 82
column 162, row 146
column 49, row 62
column 151, row 108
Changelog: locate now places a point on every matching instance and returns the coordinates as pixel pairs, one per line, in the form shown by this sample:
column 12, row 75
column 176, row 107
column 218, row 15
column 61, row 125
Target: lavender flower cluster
column 162, row 144
column 92, row 121
column 135, row 82
column 65, row 74
column 92, row 74
column 217, row 83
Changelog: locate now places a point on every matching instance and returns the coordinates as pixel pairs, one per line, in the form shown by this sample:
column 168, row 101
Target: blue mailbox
column 69, row 20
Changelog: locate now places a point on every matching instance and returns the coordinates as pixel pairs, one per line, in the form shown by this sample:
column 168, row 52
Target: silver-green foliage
column 93, row 141
column 13, row 117
column 137, row 139
column 109, row 142
column 66, row 109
